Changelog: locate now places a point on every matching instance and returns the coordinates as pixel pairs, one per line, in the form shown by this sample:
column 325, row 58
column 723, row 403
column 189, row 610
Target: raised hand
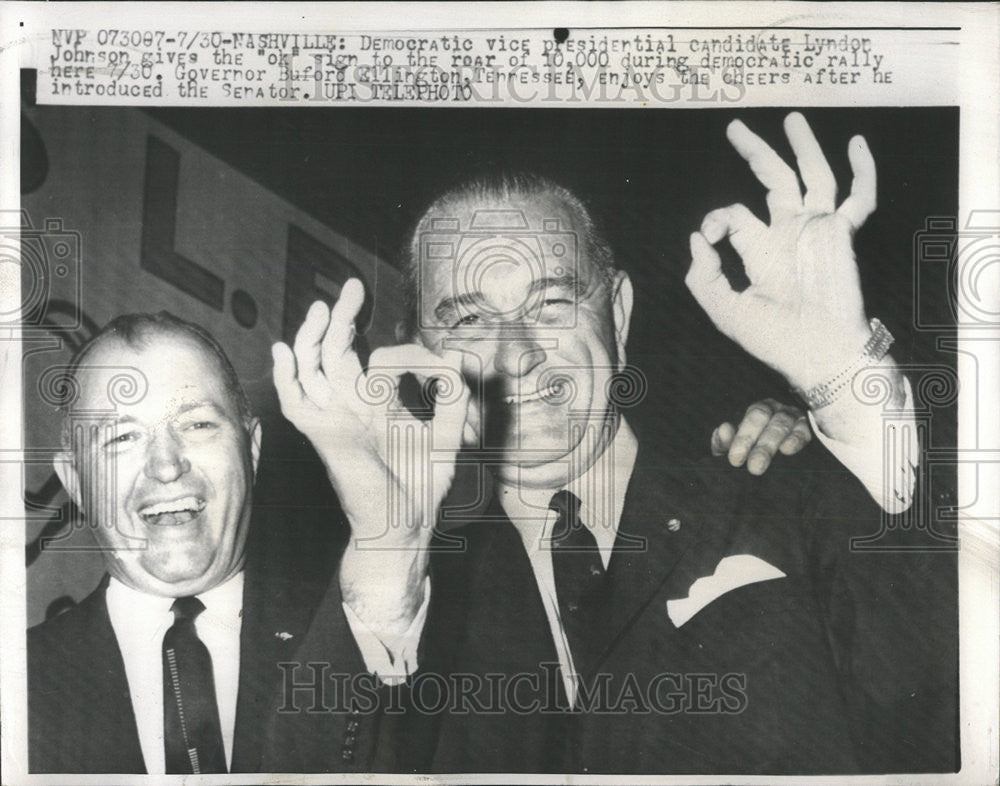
column 768, row 427
column 803, row 313
column 390, row 469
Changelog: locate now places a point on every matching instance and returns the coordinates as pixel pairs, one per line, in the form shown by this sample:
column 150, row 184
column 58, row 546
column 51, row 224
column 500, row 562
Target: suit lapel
column 94, row 676
column 666, row 506
column 276, row 615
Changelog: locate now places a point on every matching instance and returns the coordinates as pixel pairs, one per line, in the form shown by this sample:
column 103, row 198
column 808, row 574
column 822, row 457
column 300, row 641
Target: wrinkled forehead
column 476, row 244
column 158, row 371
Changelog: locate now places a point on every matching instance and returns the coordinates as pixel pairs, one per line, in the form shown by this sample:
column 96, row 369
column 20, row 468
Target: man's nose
column 517, row 351
column 165, row 459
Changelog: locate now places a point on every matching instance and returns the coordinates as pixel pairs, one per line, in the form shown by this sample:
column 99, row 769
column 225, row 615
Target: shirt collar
column 143, row 610
column 601, row 490
column 224, row 599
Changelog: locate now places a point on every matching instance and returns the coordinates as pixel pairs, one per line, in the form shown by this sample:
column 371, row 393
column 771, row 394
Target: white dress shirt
column 601, row 490
column 140, row 621
column 884, row 457
column 390, row 658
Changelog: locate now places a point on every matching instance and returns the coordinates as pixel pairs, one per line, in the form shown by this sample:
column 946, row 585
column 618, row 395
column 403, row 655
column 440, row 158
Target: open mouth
column 173, row 512
column 542, row 394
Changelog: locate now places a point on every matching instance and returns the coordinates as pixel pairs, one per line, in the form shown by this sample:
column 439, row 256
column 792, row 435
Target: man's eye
column 556, row 301
column 202, row 425
column 122, row 439
column 468, row 319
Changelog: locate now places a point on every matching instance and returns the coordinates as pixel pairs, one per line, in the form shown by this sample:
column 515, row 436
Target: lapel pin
column 674, row 524
column 283, row 635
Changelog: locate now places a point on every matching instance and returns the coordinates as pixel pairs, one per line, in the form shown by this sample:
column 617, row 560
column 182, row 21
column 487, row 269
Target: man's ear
column 621, row 307
column 68, row 476
column 254, row 430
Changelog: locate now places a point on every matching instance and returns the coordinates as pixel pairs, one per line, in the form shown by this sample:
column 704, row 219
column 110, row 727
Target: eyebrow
column 449, row 305
column 202, row 405
column 567, row 281
column 112, row 420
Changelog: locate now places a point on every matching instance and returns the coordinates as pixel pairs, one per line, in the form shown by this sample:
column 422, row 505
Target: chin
column 533, row 454
column 536, row 469
column 181, row 571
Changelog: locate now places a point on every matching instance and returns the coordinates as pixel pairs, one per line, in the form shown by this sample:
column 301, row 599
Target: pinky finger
column 722, row 438
column 861, row 203
column 800, row 436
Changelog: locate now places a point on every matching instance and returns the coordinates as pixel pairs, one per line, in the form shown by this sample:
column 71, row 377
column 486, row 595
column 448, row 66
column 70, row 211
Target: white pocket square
column 732, row 572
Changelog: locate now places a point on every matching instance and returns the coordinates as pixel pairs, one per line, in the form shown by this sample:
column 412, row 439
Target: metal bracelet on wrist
column 873, row 351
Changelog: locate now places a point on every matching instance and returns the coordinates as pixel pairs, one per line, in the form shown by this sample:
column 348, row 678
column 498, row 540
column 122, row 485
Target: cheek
column 597, row 335
column 109, row 539
column 109, row 480
column 474, row 359
column 228, row 473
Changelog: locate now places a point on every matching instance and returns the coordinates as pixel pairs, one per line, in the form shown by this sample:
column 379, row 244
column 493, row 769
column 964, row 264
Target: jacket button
column 349, row 740
column 347, row 754
column 352, row 726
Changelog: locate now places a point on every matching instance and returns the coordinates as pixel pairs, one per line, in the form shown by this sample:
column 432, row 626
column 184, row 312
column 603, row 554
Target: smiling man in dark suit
column 616, row 608
column 171, row 664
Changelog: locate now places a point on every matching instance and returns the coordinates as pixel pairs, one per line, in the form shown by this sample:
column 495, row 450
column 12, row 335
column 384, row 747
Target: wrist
column 385, row 587
column 854, row 421
column 833, row 382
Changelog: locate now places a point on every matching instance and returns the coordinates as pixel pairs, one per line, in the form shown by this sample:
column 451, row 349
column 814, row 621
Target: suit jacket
column 80, row 716
column 845, row 664
column 339, row 717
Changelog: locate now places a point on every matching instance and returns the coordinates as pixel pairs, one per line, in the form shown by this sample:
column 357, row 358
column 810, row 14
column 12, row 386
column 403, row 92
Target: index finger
column 451, row 405
column 773, row 173
column 378, row 384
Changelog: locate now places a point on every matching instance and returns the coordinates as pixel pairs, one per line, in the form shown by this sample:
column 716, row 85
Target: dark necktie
column 579, row 578
column 192, row 734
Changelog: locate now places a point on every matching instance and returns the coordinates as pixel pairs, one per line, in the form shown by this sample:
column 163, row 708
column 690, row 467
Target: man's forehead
column 518, row 239
column 117, row 372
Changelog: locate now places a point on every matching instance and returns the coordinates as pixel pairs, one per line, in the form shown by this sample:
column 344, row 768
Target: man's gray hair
column 501, row 187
